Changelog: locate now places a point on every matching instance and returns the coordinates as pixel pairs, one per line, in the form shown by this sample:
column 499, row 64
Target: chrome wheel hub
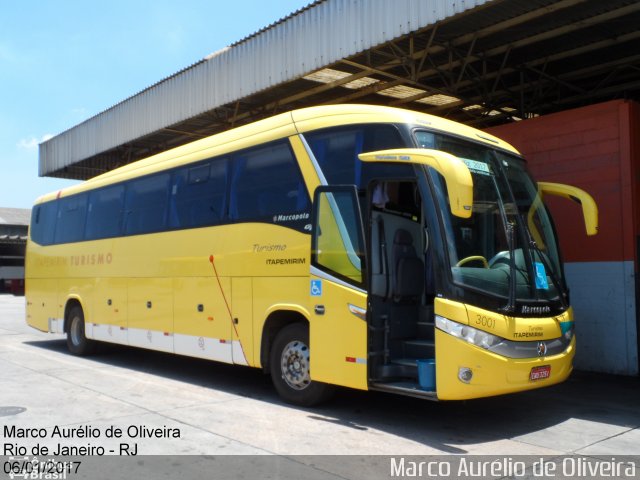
column 294, row 365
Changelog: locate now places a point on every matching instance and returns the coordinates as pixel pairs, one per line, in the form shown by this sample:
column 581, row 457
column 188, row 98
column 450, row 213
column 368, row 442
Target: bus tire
column 290, row 368
column 77, row 342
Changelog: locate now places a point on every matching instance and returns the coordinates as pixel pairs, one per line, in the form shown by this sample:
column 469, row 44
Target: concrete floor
column 221, row 409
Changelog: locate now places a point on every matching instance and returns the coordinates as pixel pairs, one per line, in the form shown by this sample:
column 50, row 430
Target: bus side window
column 198, row 195
column 267, row 185
column 72, row 214
column 146, row 204
column 43, row 222
column 104, row 212
column 336, row 151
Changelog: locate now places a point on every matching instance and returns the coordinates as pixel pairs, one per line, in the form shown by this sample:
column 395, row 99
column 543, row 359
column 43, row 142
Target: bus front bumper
column 465, row 371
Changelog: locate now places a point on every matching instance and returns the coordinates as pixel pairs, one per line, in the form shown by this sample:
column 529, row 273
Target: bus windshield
column 507, row 248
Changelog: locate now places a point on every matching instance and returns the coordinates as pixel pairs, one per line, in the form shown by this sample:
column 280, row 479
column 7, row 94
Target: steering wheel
column 472, row 258
column 500, row 259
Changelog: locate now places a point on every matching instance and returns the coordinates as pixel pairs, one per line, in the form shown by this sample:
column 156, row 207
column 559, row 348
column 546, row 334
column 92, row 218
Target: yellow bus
column 409, row 253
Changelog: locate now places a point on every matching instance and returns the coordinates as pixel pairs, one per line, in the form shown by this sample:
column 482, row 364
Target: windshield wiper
column 510, row 307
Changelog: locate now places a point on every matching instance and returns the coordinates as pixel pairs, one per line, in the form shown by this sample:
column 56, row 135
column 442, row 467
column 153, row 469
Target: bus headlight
column 567, row 330
column 468, row 334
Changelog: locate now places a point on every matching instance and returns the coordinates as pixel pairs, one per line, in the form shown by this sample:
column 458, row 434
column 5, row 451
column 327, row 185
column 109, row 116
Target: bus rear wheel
column 77, row 342
column 289, row 365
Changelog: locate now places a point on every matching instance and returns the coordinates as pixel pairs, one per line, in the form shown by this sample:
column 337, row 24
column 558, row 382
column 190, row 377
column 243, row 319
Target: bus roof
column 273, row 128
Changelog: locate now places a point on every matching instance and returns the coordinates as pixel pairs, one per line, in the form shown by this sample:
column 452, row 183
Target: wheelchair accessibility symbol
column 316, row 288
column 541, row 276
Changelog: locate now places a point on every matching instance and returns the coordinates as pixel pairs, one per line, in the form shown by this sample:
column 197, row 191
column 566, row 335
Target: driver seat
column 409, row 277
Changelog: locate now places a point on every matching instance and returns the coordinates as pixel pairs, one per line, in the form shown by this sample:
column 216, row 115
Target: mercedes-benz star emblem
column 542, row 349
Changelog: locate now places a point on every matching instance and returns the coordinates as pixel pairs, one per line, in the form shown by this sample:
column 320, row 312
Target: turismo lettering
column 93, row 259
column 272, row 247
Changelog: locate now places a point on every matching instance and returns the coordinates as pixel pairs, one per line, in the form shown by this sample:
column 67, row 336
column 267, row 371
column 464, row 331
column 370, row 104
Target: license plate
column 540, row 373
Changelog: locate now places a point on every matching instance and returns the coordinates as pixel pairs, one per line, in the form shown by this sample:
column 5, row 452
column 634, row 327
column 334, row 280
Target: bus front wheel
column 290, row 371
column 77, row 342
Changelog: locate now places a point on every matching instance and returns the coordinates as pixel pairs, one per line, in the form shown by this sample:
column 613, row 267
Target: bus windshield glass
column 507, row 248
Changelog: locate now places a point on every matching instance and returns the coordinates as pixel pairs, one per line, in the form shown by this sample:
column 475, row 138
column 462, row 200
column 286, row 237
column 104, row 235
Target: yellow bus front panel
column 491, row 374
column 465, row 370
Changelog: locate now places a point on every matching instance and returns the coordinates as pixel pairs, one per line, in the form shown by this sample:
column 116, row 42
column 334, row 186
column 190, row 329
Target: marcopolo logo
column 291, row 217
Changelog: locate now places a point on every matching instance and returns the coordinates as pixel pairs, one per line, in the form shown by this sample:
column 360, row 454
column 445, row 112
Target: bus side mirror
column 589, row 206
column 455, row 172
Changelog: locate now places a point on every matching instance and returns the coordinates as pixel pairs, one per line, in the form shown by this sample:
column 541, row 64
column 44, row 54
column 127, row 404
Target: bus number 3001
column 485, row 321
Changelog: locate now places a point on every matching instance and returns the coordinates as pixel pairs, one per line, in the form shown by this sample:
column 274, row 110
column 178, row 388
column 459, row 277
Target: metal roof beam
column 548, row 59
column 515, row 21
column 495, row 28
column 555, row 32
column 542, row 36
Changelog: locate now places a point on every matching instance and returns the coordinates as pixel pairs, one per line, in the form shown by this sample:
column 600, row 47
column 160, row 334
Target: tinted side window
column 266, row 185
column 146, row 204
column 43, row 222
column 337, row 243
column 72, row 214
column 104, row 212
column 337, row 149
column 198, row 195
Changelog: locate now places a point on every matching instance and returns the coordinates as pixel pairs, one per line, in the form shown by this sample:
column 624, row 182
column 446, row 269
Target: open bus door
column 338, row 299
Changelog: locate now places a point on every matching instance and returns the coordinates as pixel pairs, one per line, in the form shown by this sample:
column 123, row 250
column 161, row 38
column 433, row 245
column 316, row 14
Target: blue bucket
column 427, row 374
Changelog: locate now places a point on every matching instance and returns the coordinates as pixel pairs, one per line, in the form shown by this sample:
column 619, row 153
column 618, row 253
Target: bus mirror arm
column 586, row 201
column 455, row 172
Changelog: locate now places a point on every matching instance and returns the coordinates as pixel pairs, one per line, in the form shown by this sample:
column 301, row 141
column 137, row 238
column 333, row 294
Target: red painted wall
column 634, row 134
column 593, row 148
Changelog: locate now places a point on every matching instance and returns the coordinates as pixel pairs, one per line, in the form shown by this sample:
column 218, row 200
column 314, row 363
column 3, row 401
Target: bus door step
column 399, row 368
column 425, row 330
column 418, row 348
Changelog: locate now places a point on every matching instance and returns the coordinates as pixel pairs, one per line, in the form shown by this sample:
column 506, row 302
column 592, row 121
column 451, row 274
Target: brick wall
column 590, row 148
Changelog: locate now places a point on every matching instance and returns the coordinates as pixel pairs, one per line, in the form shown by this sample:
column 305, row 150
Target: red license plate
column 540, row 373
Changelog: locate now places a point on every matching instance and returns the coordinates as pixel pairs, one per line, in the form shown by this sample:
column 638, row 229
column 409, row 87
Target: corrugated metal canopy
column 15, row 216
column 477, row 61
column 13, row 235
